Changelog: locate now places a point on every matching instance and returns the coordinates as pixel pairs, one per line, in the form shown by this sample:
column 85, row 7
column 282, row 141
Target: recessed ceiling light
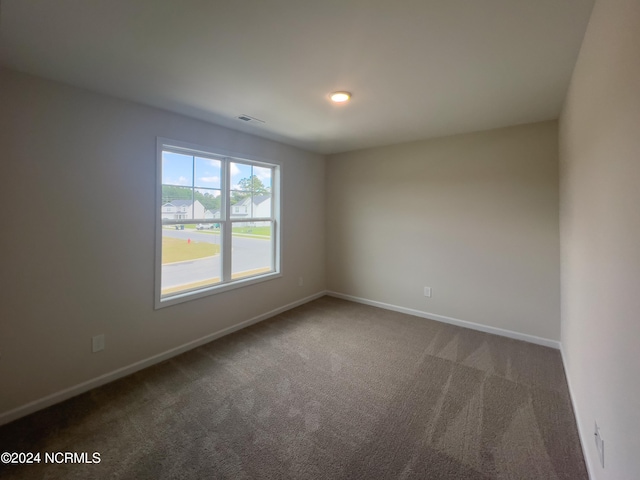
column 340, row 97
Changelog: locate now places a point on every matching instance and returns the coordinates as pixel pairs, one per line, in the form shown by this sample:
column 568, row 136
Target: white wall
column 78, row 220
column 473, row 216
column 600, row 237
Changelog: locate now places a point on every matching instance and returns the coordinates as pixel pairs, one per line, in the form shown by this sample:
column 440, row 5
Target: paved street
column 247, row 254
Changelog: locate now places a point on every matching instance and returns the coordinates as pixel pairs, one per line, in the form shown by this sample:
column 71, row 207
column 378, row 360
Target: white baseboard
column 453, row 321
column 67, row 393
column 583, row 438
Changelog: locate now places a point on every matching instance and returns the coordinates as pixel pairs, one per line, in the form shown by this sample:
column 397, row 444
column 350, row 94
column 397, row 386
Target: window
column 218, row 222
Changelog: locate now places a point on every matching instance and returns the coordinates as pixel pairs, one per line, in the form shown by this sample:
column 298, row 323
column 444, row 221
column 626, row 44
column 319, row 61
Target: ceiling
column 417, row 68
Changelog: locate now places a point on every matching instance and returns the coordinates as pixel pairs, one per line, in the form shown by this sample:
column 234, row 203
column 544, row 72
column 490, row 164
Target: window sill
column 213, row 290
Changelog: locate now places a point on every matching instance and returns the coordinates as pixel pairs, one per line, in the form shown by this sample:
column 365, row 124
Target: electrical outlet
column 300, row 281
column 427, row 292
column 599, row 444
column 97, row 343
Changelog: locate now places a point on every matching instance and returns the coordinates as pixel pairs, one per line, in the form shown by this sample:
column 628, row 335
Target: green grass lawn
column 265, row 231
column 179, row 250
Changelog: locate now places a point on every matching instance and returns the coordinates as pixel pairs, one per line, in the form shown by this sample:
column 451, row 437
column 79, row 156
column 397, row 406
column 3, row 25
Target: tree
column 254, row 184
column 171, row 192
column 211, row 202
column 251, row 185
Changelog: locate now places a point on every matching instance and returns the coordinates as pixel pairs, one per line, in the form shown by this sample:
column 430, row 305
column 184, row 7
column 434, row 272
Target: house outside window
column 218, row 221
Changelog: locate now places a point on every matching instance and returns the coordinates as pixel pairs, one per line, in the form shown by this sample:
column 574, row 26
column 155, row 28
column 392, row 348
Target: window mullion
column 193, row 187
column 227, row 230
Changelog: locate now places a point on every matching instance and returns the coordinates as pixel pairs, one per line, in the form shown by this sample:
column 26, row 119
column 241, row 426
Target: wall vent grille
column 247, row 118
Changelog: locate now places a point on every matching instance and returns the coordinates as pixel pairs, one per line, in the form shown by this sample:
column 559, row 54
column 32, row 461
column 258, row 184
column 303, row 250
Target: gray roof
column 180, row 203
column 258, row 199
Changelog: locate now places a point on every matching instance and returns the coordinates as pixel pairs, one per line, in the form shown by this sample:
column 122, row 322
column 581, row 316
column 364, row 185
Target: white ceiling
column 417, row 68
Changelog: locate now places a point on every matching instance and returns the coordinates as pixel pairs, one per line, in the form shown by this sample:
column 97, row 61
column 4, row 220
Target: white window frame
column 226, row 220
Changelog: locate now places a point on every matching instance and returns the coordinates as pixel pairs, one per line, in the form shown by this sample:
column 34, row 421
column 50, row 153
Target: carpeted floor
column 331, row 389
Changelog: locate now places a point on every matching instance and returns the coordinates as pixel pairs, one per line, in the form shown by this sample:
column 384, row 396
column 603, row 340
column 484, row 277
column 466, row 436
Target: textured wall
column 78, row 185
column 600, row 236
column 473, row 216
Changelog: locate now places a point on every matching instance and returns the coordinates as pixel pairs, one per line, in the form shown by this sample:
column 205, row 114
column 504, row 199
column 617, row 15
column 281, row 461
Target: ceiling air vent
column 247, row 118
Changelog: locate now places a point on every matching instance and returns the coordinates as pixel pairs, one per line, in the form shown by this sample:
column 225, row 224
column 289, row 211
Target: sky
column 178, row 169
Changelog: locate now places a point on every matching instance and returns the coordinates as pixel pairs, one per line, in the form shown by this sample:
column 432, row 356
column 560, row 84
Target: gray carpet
column 331, row 389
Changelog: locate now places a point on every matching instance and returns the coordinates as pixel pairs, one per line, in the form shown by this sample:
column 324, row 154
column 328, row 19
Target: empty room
column 320, row 240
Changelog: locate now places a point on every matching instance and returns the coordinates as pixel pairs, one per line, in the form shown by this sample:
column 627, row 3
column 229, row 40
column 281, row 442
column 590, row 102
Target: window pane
column 207, row 173
column 177, row 169
column 190, row 258
column 263, row 174
column 240, row 176
column 252, row 252
column 261, row 205
column 240, row 204
column 211, row 202
column 177, row 203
